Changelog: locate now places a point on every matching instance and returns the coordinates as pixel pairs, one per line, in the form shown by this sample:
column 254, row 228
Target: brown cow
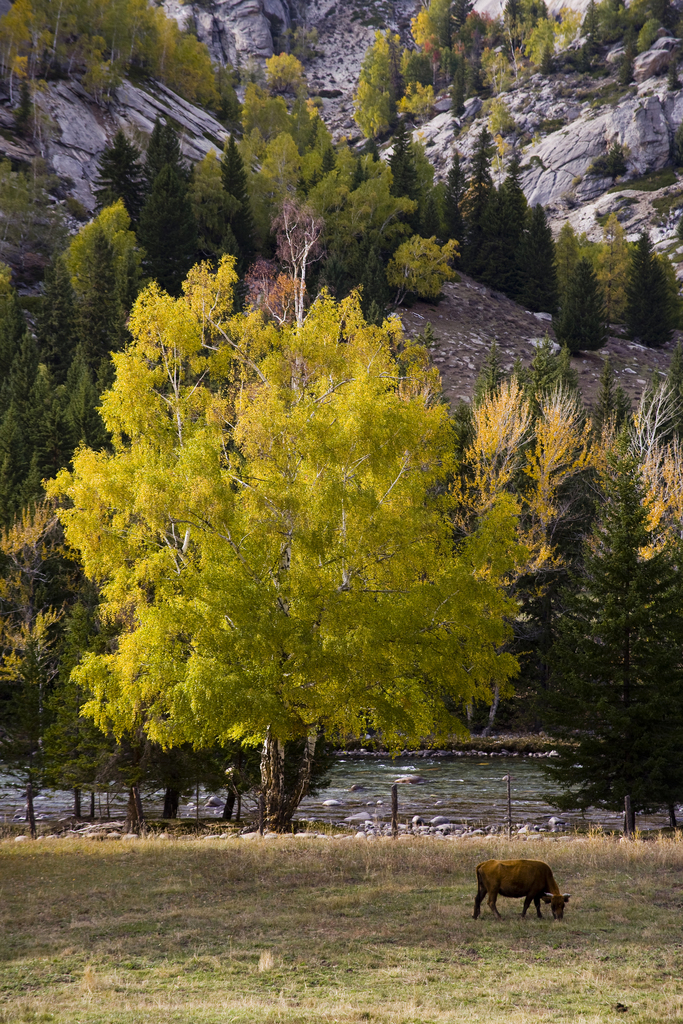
column 531, row 879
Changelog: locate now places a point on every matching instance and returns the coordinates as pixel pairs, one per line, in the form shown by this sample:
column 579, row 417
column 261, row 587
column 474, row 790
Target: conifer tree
column 12, row 331
column 14, row 465
column 430, row 219
column 402, row 164
column 373, row 279
column 85, row 425
column 566, row 258
column 167, row 231
column 673, row 82
column 458, row 90
column 618, row 660
column 536, row 264
column 610, row 407
column 649, row 312
column 22, row 378
column 626, row 66
column 455, row 190
column 581, row 323
column 503, row 224
column 490, row 375
column 120, row 176
column 613, row 269
column 100, row 316
column 52, row 436
column 22, row 114
column 675, row 383
column 56, row 326
column 235, row 184
column 163, row 149
column 475, row 203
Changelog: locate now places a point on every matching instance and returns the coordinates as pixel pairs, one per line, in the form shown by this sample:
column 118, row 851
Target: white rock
column 360, row 816
column 21, row 839
column 332, row 803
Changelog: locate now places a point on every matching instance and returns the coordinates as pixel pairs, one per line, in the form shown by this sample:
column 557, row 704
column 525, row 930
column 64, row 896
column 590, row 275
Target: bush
column 612, row 165
column 648, row 34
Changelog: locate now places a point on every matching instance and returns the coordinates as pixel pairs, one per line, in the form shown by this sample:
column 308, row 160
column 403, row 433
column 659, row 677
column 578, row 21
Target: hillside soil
column 470, row 316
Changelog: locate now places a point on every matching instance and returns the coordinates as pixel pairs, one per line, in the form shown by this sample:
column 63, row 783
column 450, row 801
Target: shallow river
column 467, row 790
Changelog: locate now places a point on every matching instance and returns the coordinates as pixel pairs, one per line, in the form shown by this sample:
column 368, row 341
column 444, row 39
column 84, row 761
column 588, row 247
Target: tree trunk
column 30, row 815
column 77, row 803
column 672, row 816
column 92, row 804
column 492, row 712
column 171, row 803
column 280, row 804
column 229, row 804
column 135, row 819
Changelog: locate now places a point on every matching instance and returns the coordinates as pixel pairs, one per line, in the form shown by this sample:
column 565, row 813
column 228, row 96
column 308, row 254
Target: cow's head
column 557, row 902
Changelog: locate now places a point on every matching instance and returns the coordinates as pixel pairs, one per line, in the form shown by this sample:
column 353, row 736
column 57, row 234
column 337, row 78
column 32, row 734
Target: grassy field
column 314, row 930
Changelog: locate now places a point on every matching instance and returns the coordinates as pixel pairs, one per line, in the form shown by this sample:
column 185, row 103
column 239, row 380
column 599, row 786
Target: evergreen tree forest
column 213, row 398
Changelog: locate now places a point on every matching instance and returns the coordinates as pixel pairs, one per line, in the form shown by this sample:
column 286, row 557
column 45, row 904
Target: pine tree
column 673, row 82
column 566, row 258
column 22, row 115
column 12, row 331
column 649, row 312
column 120, row 176
column 168, row 232
column 475, row 203
column 84, row 422
column 458, row 90
column 329, row 161
column 490, row 375
column 14, row 466
column 674, row 381
column 619, row 660
column 358, row 175
column 581, row 323
column 52, row 435
column 100, row 315
column 430, row 219
column 402, row 164
column 452, row 207
column 163, row 149
column 22, row 377
column 503, row 223
column 536, row 264
column 56, row 326
column 373, row 280
column 547, row 61
column 235, row 184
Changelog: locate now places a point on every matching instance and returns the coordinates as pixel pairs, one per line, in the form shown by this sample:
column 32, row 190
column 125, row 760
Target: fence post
column 30, row 816
column 394, row 811
column 261, row 813
column 508, row 778
column 627, row 816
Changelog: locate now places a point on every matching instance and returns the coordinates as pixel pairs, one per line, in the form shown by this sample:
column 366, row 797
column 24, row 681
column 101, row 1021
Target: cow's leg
column 527, row 904
column 537, row 904
column 481, row 892
column 493, row 896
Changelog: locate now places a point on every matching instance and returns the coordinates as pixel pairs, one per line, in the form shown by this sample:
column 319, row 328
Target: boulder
column 410, row 780
column 655, row 60
column 233, row 29
column 332, row 803
column 214, row 801
column 360, row 816
column 440, row 820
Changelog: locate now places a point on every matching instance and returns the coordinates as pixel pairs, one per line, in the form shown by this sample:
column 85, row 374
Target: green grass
column 344, row 931
column 649, row 182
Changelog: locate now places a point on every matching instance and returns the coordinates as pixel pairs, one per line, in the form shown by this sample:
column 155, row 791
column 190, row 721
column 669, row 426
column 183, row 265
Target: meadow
column 322, row 930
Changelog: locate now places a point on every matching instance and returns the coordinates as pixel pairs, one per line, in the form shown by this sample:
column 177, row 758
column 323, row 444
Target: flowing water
column 468, row 790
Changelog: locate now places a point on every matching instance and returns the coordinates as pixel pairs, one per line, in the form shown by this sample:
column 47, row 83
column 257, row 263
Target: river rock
column 355, row 787
column 410, row 780
column 21, row 839
column 440, row 820
column 332, row 803
column 214, row 801
column 417, row 820
column 360, row 816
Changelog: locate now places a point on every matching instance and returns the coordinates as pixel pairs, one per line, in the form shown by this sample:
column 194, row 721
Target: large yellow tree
column 270, row 535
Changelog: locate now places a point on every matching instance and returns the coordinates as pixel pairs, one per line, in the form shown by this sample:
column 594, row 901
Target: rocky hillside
column 471, row 316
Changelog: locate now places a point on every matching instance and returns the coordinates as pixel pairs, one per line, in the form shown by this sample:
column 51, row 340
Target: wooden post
column 92, row 804
column 197, row 802
column 261, row 813
column 508, row 779
column 30, row 816
column 627, row 816
column 394, row 812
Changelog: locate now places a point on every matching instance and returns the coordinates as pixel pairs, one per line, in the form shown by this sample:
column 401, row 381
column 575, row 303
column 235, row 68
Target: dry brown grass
column 341, row 931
